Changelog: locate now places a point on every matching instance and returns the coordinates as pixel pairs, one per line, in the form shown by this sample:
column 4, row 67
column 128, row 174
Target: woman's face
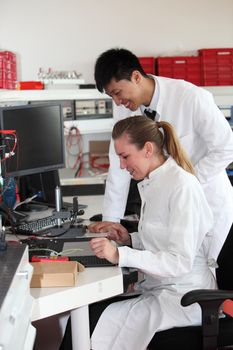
column 136, row 162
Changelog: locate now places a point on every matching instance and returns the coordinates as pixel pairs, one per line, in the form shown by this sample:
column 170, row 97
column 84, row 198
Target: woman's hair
column 141, row 129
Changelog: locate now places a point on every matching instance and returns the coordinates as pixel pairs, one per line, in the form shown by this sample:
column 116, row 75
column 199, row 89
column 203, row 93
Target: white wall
column 70, row 34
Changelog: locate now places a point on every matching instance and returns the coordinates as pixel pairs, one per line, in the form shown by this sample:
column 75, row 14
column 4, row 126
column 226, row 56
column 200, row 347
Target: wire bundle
column 74, row 141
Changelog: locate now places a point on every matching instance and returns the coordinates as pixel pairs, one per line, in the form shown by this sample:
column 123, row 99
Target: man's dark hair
column 115, row 63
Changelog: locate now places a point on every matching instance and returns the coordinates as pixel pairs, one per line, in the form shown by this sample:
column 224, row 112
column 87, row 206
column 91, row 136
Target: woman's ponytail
column 174, row 147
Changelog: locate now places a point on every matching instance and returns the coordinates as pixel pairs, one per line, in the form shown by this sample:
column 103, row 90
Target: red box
column 7, row 70
column 29, row 85
column 217, row 66
column 148, row 64
column 181, row 67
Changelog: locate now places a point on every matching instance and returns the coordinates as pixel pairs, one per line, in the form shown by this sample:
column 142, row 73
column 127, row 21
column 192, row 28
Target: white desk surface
column 93, row 284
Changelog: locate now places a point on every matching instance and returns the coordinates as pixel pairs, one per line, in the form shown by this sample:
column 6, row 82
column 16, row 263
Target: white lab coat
column 208, row 140
column 169, row 249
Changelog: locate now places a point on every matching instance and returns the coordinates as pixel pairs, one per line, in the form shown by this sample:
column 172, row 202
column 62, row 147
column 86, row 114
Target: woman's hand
column 103, row 248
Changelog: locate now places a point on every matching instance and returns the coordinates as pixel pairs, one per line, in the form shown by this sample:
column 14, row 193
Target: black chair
column 214, row 333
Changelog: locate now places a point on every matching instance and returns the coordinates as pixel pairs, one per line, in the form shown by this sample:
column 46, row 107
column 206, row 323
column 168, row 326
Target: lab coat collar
column 154, row 101
column 159, row 171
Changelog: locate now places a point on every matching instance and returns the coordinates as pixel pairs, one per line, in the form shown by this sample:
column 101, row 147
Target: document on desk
column 81, row 251
column 77, row 249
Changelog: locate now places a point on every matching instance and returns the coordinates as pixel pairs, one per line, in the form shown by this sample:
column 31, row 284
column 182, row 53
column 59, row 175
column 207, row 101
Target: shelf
column 67, row 178
column 50, row 94
column 91, row 126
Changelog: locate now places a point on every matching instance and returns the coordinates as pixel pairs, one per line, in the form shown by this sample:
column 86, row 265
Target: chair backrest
column 224, row 272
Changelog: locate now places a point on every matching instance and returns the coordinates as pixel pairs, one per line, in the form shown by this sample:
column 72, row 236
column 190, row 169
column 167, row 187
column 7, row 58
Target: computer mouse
column 96, row 217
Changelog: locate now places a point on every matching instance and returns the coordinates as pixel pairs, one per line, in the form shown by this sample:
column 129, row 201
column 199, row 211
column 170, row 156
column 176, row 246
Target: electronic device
column 67, row 107
column 77, row 249
column 93, row 109
column 48, row 227
column 40, row 140
column 39, row 129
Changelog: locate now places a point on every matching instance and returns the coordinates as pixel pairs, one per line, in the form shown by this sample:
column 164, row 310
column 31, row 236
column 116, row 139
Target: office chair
column 214, row 333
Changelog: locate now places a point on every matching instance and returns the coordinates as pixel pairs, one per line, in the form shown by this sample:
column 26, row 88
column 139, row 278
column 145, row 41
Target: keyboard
column 48, row 226
column 91, row 261
column 44, row 247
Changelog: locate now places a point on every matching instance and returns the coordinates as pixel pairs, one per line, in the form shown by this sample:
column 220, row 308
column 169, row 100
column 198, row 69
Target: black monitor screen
column 40, row 145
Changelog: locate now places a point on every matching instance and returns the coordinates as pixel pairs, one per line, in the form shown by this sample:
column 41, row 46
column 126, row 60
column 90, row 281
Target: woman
column 169, row 247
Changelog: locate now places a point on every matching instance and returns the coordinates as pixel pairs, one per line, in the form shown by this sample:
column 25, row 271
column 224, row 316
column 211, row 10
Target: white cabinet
column 16, row 303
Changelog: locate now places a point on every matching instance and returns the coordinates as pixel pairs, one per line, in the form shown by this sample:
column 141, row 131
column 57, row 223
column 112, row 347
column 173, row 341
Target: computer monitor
column 40, row 140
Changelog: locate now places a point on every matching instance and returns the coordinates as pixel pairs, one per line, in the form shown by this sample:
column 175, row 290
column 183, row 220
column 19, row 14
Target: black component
column 11, row 217
column 87, row 86
column 3, row 244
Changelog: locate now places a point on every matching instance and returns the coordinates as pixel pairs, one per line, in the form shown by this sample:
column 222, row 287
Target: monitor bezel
column 41, row 169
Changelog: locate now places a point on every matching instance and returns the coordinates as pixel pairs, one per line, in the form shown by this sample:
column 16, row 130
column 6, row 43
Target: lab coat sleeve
column 136, row 241
column 189, row 222
column 214, row 129
column 118, row 180
column 116, row 190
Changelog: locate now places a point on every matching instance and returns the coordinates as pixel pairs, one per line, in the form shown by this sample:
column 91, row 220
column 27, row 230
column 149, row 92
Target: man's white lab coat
column 208, row 140
column 169, row 248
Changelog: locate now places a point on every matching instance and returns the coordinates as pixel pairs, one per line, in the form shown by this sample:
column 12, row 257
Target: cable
column 11, row 136
column 74, row 140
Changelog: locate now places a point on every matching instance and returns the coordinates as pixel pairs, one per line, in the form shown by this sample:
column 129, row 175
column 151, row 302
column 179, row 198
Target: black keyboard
column 91, row 261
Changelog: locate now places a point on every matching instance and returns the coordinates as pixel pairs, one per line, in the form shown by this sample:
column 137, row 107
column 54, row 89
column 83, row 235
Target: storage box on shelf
column 217, row 66
column 148, row 64
column 7, row 70
column 180, row 67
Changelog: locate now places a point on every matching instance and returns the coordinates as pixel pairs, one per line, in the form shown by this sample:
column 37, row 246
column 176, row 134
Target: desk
column 93, row 284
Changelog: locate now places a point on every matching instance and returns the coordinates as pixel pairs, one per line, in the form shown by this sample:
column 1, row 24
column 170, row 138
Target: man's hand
column 103, row 248
column 114, row 231
column 118, row 233
column 100, row 226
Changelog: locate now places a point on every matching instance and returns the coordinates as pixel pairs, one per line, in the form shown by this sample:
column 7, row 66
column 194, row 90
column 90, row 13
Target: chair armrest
column 205, row 295
column 210, row 301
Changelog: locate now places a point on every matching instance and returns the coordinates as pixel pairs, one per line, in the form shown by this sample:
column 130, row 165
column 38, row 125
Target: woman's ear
column 149, row 149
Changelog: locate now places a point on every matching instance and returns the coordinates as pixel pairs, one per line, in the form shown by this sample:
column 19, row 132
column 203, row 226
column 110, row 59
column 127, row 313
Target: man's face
column 125, row 92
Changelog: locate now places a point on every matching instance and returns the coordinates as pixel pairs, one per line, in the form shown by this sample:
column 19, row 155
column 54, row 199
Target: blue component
column 9, row 192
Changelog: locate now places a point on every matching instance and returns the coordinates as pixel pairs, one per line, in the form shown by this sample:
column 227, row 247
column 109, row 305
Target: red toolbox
column 217, row 66
column 148, row 64
column 29, row 85
column 8, row 71
column 180, row 67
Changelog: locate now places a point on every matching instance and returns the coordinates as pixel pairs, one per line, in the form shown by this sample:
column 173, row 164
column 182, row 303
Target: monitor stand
column 32, row 207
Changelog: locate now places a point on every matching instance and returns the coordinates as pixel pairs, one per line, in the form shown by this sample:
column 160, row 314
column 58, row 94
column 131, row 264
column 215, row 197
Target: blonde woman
column 169, row 247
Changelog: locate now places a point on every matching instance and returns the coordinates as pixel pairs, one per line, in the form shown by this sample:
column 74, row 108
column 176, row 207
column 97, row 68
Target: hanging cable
column 74, row 142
